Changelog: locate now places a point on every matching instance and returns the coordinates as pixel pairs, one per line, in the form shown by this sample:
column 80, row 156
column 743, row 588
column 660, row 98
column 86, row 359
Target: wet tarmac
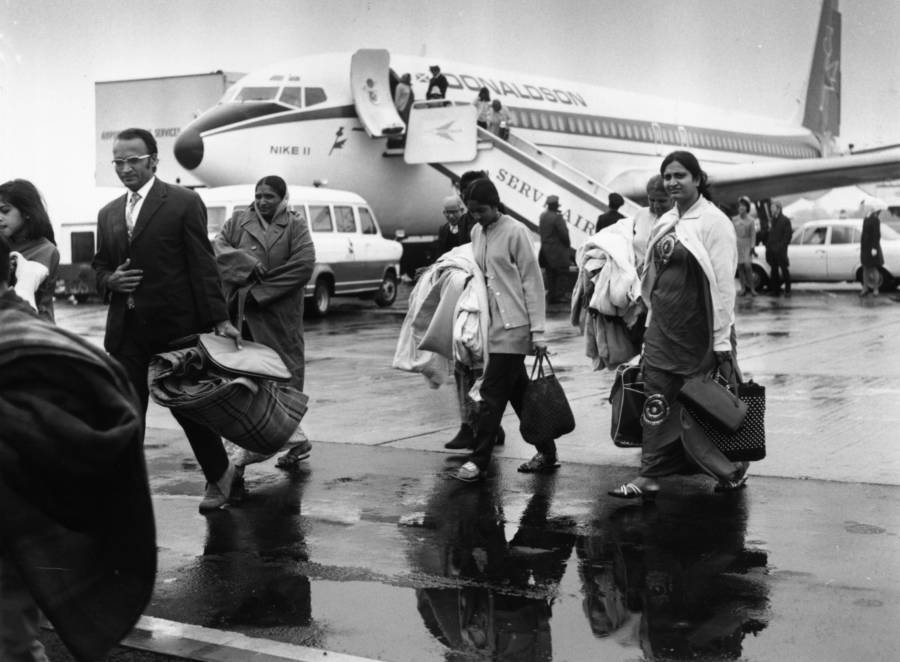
column 370, row 550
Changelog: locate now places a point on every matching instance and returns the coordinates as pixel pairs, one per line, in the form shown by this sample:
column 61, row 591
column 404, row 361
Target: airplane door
column 370, row 84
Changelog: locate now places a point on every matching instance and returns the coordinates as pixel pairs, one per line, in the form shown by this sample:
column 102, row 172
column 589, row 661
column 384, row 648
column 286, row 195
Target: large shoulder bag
column 748, row 442
column 240, row 394
column 709, row 399
column 545, row 412
column 627, row 397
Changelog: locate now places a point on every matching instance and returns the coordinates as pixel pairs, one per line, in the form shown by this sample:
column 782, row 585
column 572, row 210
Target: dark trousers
column 206, row 444
column 556, row 284
column 504, row 382
column 781, row 275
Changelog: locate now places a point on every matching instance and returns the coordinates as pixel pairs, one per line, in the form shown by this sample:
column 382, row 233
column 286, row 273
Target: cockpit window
column 315, row 95
column 292, row 96
column 257, row 94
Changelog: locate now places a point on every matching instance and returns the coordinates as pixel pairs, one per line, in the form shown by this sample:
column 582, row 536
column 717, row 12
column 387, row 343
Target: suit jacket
column 554, row 240
column 180, row 292
column 447, row 241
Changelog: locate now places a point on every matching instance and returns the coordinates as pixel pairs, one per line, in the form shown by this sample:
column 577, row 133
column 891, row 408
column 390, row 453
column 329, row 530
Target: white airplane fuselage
column 617, row 137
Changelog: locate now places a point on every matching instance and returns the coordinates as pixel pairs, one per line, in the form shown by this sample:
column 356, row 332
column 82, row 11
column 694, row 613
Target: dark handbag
column 545, row 412
column 710, row 400
column 748, row 443
column 626, row 397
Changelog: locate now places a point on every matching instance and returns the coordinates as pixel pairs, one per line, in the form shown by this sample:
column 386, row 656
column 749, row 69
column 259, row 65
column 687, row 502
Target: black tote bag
column 627, row 397
column 546, row 413
column 748, row 443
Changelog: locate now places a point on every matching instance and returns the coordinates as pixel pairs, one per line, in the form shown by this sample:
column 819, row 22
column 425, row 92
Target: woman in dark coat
column 266, row 253
column 870, row 255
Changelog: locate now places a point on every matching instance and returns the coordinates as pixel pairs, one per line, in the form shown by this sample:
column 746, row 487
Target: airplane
column 329, row 118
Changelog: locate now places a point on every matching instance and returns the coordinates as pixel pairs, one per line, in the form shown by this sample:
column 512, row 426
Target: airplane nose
column 189, row 148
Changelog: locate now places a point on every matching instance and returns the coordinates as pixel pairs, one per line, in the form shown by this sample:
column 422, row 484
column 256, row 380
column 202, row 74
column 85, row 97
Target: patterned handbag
column 627, row 397
column 748, row 444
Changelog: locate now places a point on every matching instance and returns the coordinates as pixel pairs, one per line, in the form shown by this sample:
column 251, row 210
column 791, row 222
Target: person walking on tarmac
column 437, row 86
column 870, row 255
column 777, row 250
column 555, row 251
column 504, row 253
column 266, row 254
column 463, row 375
column 156, row 269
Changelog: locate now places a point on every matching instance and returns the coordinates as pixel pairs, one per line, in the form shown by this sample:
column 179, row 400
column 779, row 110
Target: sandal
column 294, row 456
column 632, row 491
column 731, row 485
column 468, row 473
column 539, row 464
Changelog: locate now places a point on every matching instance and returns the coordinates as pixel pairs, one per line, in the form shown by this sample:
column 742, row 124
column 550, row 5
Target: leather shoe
column 465, row 438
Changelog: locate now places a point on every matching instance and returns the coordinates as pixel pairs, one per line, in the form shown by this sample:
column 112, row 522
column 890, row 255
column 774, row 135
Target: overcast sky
column 748, row 54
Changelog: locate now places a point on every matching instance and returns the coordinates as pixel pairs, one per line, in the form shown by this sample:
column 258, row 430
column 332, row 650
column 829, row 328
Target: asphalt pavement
column 369, row 551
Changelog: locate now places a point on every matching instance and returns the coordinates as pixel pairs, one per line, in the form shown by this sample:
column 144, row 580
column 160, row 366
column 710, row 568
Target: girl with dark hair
column 516, row 317
column 265, row 256
column 688, row 287
column 25, row 224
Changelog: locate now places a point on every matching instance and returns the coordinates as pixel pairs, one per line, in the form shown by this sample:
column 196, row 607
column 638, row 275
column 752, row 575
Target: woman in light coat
column 688, row 287
column 265, row 254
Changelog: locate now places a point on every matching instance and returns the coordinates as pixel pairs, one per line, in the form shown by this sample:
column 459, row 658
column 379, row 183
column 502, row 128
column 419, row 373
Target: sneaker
column 468, row 473
column 218, row 494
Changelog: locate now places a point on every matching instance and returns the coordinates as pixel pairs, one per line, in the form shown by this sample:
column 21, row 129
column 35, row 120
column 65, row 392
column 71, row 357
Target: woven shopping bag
column 748, row 443
column 546, row 413
column 627, row 397
column 257, row 414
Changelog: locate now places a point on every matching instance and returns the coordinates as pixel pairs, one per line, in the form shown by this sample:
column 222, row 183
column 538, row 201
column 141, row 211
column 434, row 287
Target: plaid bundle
column 256, row 414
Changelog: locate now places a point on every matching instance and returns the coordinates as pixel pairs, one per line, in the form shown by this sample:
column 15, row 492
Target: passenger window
column 215, row 219
column 366, row 222
column 299, row 210
column 345, row 222
column 814, row 235
column 257, row 94
column 315, row 95
column 321, row 218
column 840, row 235
column 292, row 96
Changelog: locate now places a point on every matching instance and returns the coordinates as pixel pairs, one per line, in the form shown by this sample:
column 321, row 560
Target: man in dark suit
column 554, row 254
column 604, row 220
column 156, row 269
column 777, row 242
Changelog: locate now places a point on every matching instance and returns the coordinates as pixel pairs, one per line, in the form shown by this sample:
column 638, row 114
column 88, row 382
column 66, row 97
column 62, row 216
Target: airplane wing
column 770, row 179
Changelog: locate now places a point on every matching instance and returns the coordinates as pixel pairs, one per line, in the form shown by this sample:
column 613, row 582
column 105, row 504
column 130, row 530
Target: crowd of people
column 248, row 284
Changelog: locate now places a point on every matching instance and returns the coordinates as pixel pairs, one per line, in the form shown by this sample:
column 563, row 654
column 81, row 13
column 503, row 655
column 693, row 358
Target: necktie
column 129, row 222
column 129, row 213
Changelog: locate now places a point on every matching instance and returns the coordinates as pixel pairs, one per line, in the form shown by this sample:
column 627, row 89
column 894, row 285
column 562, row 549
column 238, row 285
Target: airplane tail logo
column 822, row 113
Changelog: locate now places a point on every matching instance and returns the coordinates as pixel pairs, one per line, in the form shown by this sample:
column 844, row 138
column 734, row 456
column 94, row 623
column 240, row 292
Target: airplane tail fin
column 822, row 113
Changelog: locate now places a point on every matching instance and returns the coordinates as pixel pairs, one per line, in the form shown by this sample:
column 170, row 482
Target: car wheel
column 387, row 292
column 760, row 278
column 321, row 299
column 888, row 282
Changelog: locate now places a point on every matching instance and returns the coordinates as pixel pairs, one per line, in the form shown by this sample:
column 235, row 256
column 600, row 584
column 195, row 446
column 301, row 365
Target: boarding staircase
column 444, row 135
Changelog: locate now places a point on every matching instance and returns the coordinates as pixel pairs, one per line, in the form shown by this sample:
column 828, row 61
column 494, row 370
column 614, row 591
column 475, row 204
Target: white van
column 352, row 258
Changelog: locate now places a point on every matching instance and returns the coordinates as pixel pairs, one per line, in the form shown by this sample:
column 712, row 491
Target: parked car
column 352, row 258
column 828, row 251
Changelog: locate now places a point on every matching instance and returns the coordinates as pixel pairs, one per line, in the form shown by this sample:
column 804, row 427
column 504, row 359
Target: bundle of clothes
column 447, row 320
column 606, row 301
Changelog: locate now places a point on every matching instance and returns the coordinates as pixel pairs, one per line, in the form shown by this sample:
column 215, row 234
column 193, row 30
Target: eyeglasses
column 131, row 161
